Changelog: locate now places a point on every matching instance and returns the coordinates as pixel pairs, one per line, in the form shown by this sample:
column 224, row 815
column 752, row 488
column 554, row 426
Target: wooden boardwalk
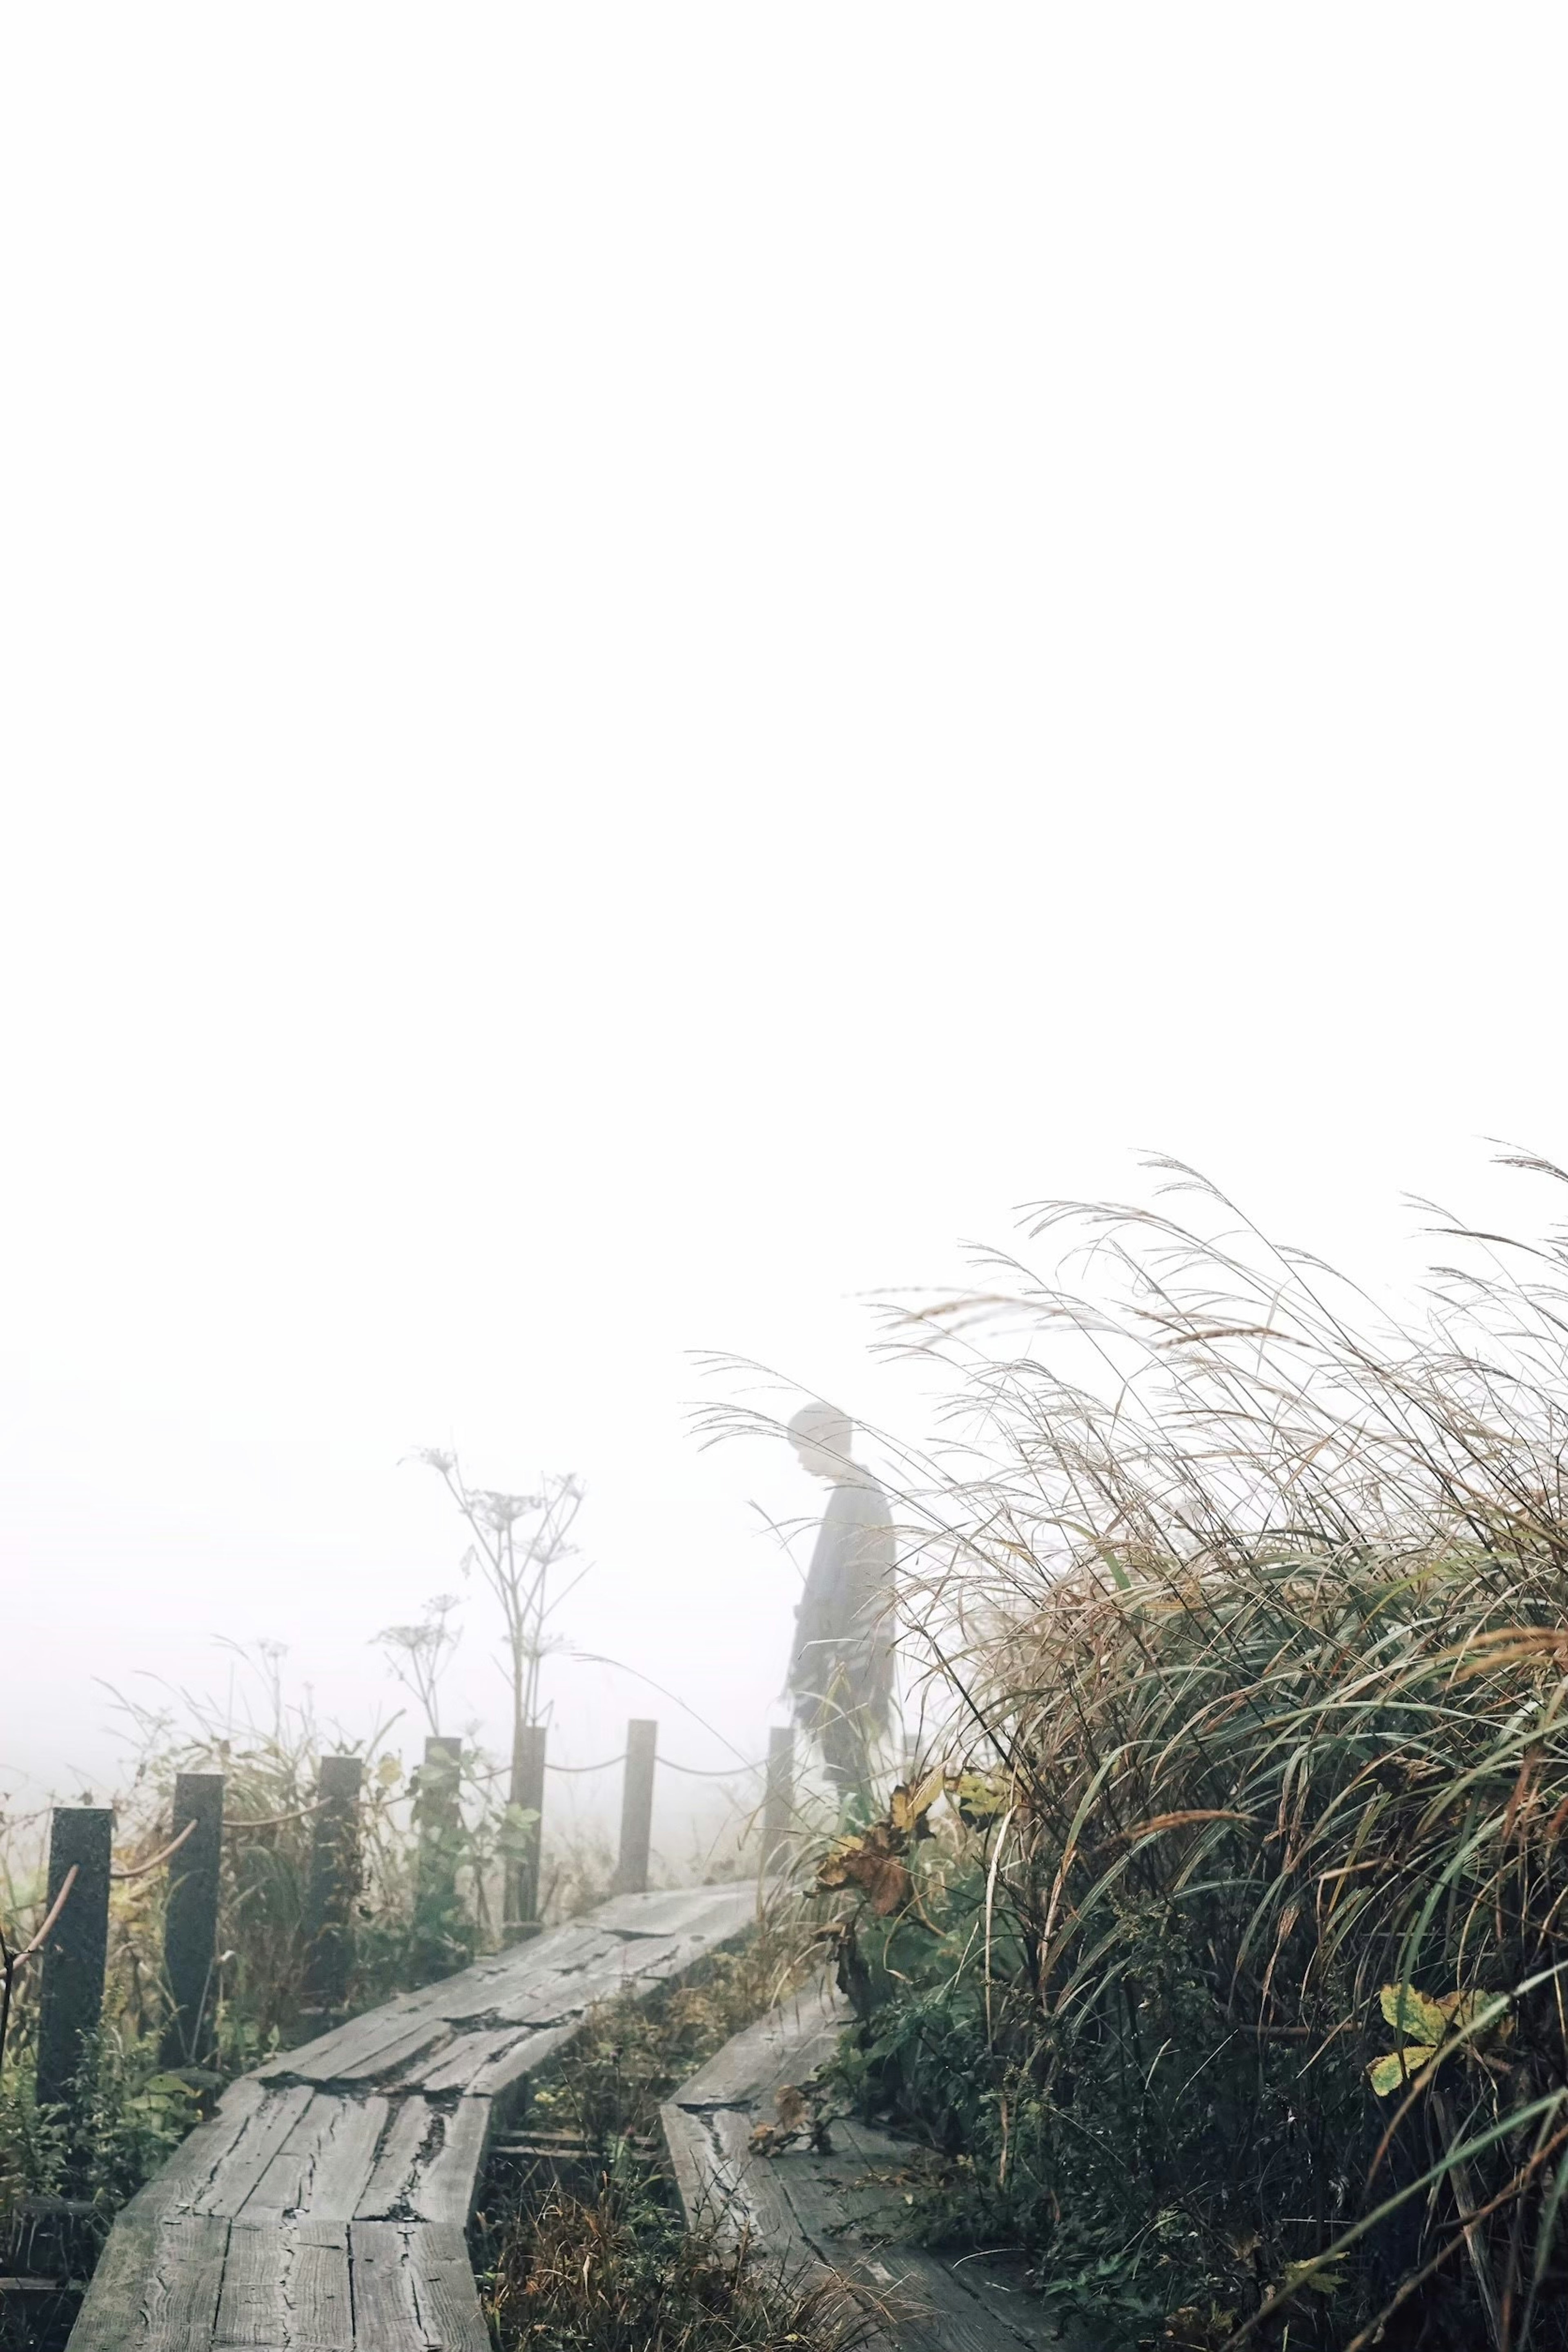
column 838, row 2213
column 323, row 2208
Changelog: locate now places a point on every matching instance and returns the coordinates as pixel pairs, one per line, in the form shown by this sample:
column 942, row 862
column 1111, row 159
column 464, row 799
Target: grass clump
column 1231, row 1978
column 634, row 2053
column 602, row 2261
column 619, row 2272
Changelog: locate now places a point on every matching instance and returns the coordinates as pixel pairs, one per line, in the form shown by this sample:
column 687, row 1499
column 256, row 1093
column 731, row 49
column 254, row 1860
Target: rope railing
column 58, row 1905
column 276, row 1820
column 83, row 1867
column 140, row 1869
column 692, row 1771
column 11, row 1961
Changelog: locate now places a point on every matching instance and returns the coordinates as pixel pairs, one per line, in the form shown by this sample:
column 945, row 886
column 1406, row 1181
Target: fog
column 658, row 661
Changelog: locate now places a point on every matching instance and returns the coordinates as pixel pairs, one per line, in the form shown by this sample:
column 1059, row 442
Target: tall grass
column 606, row 2262
column 1245, row 1612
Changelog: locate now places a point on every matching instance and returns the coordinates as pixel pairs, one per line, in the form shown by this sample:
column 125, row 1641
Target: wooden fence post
column 778, row 1797
column 521, row 1878
column 333, row 1883
column 190, row 1922
column 636, row 1807
column 441, row 1821
column 70, row 1999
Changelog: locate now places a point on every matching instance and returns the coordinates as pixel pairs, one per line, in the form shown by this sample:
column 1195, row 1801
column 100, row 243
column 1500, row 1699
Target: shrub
column 1232, row 1981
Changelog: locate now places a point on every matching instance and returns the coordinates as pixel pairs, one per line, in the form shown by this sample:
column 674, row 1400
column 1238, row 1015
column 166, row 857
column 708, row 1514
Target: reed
column 1230, row 1977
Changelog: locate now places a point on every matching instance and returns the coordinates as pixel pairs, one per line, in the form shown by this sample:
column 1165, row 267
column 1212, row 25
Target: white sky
column 656, row 659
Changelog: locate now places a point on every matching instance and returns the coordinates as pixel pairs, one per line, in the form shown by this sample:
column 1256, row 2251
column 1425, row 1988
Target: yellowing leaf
column 889, row 1887
column 389, row 1772
column 789, row 2106
column 1399, row 2068
column 980, row 1798
column 1416, row 2015
column 1323, row 2276
column 867, row 1863
column 911, row 1805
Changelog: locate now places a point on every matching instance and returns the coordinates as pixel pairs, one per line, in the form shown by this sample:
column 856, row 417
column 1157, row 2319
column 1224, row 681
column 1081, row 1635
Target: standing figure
column 841, row 1671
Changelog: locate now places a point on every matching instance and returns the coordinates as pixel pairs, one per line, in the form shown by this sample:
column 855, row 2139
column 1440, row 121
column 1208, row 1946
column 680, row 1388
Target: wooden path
column 836, row 2213
column 323, row 2208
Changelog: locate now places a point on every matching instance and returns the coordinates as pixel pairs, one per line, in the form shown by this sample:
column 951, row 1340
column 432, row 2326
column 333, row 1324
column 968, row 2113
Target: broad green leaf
column 1412, row 2013
column 1322, row 2275
column 1399, row 2068
column 980, row 1798
column 517, row 1834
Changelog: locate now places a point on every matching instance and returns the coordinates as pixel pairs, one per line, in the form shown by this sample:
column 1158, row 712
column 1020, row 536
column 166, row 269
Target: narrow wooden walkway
column 838, row 2213
column 323, row 2208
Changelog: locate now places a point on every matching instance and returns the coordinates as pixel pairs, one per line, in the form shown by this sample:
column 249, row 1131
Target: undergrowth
column 1228, row 1981
column 603, row 2261
column 431, row 1861
column 619, row 2272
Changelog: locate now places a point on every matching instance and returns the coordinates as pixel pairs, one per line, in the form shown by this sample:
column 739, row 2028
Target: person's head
column 821, row 1435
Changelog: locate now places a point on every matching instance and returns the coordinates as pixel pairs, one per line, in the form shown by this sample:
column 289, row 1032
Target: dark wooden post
column 70, row 1997
column 190, row 1922
column 333, row 1883
column 778, row 1798
column 521, row 1879
column 441, row 1821
column 636, row 1807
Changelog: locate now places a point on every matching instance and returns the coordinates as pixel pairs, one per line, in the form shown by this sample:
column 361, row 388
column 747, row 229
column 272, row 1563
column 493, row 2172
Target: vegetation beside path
column 599, row 2260
column 1222, row 1965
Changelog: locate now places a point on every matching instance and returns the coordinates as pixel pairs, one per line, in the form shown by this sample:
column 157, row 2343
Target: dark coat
column 843, row 1657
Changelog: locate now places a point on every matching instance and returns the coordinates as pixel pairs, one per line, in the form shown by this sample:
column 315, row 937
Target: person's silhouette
column 841, row 1669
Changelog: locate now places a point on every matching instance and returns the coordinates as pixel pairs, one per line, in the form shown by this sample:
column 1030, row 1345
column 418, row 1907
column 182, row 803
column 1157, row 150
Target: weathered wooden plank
column 286, row 2288
column 216, row 2169
column 516, row 1987
column 388, row 2057
column 325, row 2165
column 840, row 2212
column 450, row 2177
column 414, row 2289
column 567, row 1996
column 723, row 2187
column 372, row 2045
column 415, row 2131
column 428, row 2166
column 677, row 1910
column 467, row 2055
column 537, row 1983
column 785, row 2046
column 180, row 2287
column 312, row 2140
column 845, row 2210
column 501, row 2075
column 109, row 2317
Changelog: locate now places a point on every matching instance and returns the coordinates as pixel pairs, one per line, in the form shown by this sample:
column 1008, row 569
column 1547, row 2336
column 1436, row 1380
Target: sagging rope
column 139, row 1869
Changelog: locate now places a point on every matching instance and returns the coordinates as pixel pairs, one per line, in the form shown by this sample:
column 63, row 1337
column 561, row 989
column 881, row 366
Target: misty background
column 658, row 661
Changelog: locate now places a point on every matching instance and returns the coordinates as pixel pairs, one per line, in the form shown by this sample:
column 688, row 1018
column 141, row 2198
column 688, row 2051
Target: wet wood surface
column 323, row 2208
column 842, row 2210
